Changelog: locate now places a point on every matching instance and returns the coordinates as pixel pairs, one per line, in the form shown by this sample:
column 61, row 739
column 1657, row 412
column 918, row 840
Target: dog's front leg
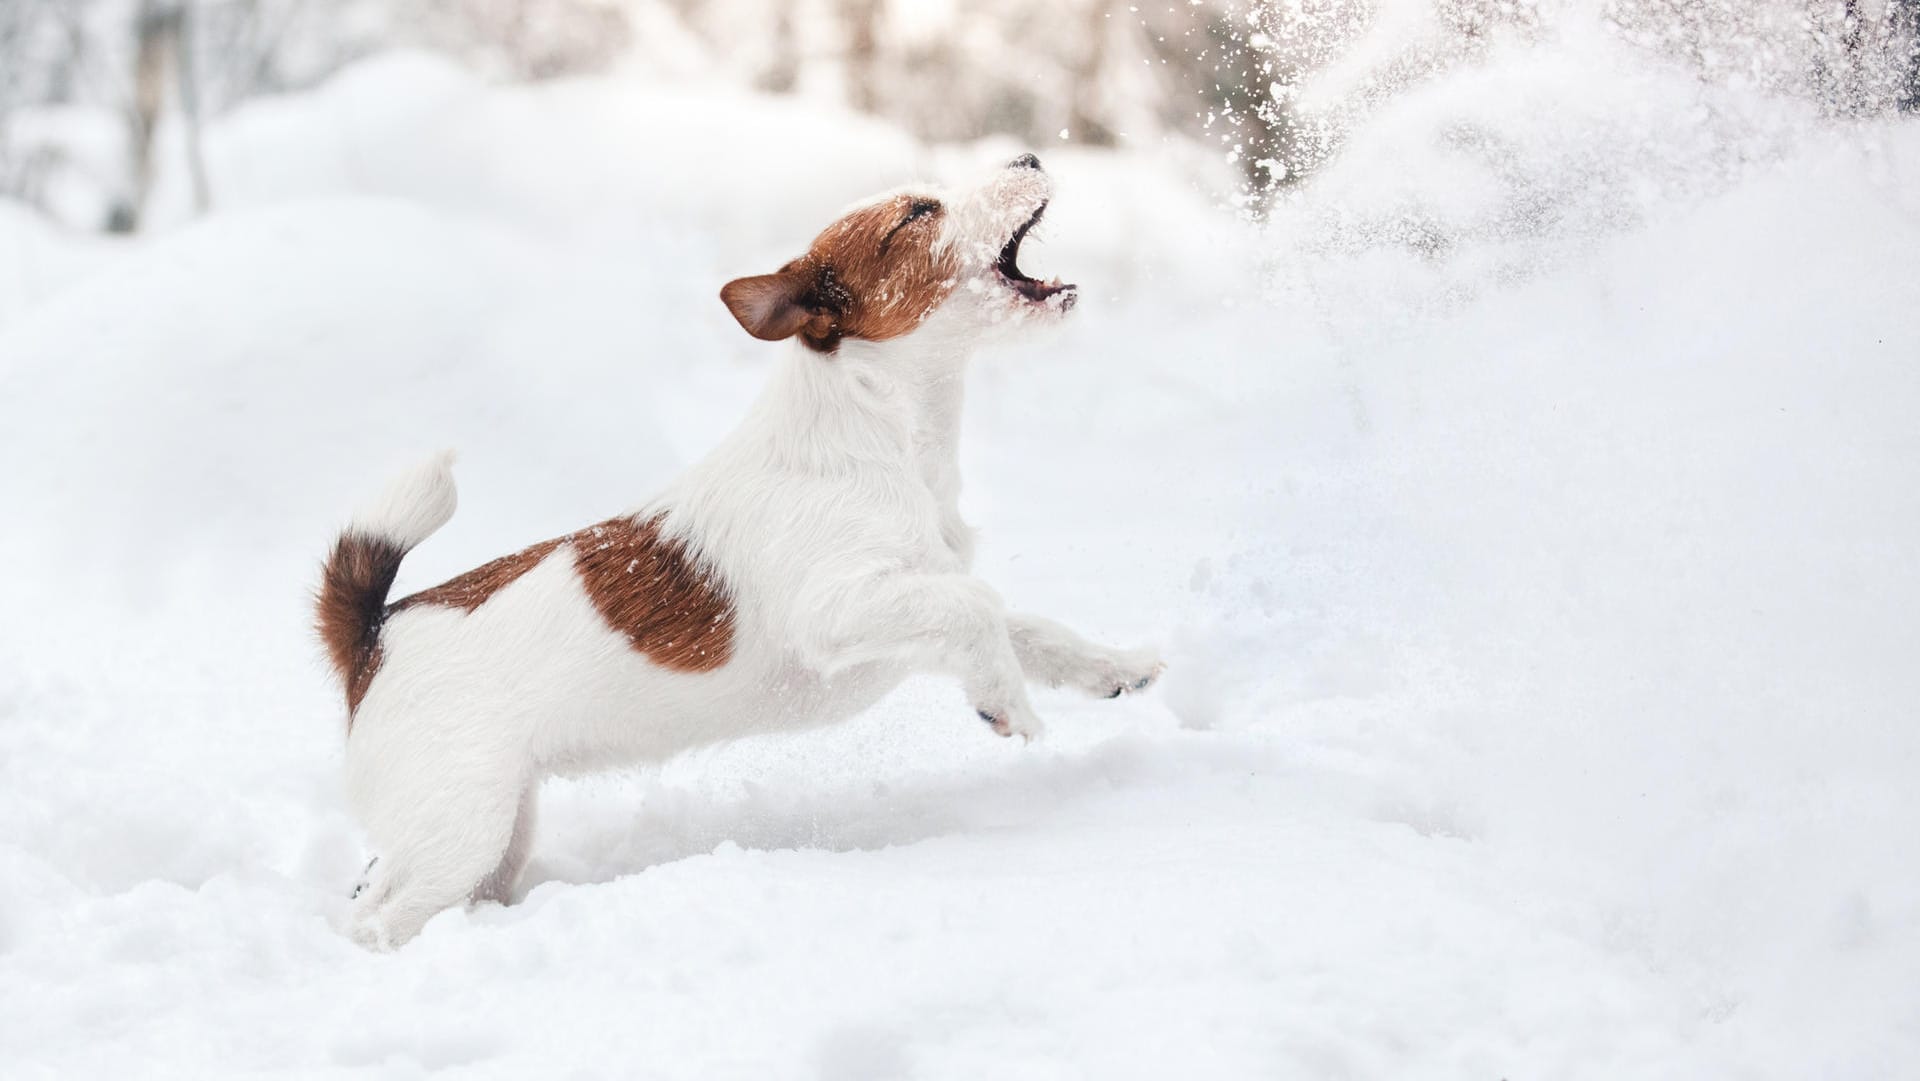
column 950, row 623
column 1054, row 655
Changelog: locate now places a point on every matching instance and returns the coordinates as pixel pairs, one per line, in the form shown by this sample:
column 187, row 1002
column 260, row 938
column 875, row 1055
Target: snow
column 1538, row 602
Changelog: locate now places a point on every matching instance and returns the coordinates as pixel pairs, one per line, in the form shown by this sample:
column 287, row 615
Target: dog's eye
column 919, row 208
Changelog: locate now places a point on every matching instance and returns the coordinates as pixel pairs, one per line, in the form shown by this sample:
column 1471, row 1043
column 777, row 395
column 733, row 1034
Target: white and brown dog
column 790, row 579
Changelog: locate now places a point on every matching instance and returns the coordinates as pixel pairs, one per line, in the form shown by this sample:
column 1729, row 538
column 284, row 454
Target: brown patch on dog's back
column 646, row 587
column 650, row 589
column 472, row 589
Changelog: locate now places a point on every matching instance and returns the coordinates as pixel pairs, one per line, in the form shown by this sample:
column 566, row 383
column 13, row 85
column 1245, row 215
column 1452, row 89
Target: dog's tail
column 352, row 600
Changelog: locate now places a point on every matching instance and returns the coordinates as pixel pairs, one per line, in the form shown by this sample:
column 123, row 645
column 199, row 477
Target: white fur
column 831, row 514
column 412, row 506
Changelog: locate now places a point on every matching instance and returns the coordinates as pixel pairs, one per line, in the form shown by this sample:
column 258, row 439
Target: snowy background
column 1525, row 496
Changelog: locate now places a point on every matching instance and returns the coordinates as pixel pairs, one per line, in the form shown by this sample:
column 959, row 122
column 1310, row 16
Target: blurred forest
column 92, row 90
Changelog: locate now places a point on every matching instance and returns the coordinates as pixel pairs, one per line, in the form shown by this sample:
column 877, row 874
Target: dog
column 811, row 562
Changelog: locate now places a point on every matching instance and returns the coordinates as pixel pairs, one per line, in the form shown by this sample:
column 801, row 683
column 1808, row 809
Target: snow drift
column 1527, row 507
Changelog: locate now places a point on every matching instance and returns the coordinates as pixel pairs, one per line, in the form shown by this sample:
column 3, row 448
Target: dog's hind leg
column 436, row 851
column 498, row 885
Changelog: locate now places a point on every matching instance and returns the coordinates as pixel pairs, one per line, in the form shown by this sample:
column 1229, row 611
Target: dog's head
column 907, row 260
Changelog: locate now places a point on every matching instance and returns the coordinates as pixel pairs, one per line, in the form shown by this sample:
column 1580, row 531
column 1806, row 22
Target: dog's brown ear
column 769, row 306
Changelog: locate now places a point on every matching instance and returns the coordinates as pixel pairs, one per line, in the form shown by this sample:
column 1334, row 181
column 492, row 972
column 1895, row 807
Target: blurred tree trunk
column 156, row 32
column 783, row 69
column 863, row 19
column 160, row 49
column 1867, row 58
column 1903, row 18
column 189, row 87
column 1087, row 81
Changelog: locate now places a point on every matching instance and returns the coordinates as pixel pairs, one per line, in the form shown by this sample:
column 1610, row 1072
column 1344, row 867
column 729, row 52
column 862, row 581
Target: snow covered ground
column 1527, row 511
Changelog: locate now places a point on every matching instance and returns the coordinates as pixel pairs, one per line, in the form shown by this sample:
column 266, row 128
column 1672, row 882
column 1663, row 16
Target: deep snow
column 1527, row 515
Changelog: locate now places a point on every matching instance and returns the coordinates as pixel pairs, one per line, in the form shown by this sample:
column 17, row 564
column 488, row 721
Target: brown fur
column 647, row 588
column 348, row 608
column 650, row 590
column 471, row 590
column 872, row 275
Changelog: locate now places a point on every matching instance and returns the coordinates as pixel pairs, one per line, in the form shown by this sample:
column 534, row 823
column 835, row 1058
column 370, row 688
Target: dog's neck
column 872, row 402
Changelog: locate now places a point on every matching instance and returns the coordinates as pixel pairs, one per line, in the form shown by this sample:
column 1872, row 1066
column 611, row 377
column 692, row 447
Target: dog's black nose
column 1024, row 161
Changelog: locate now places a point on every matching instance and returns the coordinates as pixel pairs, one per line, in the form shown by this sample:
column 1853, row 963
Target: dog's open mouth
column 1008, row 267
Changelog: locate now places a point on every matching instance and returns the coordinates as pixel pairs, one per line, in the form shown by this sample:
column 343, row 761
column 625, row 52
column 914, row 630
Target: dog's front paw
column 1014, row 722
column 1123, row 672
